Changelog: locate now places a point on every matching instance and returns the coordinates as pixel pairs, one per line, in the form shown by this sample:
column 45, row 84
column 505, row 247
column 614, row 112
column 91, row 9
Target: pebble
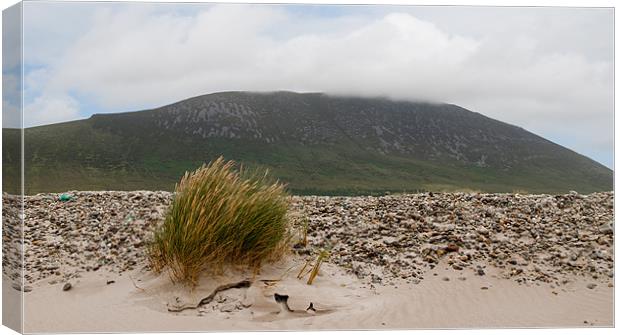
column 452, row 247
column 543, row 238
column 94, row 230
column 18, row 287
column 67, row 287
column 606, row 229
column 227, row 308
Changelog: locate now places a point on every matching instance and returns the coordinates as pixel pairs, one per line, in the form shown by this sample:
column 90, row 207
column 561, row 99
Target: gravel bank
column 529, row 238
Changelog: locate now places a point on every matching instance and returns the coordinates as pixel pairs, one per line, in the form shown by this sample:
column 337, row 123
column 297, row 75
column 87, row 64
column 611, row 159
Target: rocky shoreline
column 383, row 240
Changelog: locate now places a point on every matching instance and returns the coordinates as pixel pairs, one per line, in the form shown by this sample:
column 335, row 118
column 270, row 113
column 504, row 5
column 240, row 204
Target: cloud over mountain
column 548, row 70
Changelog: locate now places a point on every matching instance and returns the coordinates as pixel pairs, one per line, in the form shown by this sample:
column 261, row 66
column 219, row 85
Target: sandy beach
column 341, row 301
column 403, row 261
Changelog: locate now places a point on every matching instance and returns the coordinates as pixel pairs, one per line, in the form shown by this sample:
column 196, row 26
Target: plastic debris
column 65, row 197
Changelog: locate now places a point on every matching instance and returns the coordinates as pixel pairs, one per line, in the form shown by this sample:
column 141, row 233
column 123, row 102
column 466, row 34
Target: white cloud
column 51, row 109
column 536, row 69
column 133, row 56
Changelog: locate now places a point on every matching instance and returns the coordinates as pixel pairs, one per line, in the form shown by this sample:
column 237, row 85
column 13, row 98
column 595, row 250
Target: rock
column 606, row 229
column 482, row 230
column 591, row 286
column 67, row 287
column 484, row 288
column 452, row 247
column 389, row 240
column 52, row 266
column 480, row 272
column 18, row 287
column 227, row 308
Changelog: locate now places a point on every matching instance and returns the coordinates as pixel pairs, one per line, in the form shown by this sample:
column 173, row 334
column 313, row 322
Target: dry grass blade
column 315, row 270
column 299, row 275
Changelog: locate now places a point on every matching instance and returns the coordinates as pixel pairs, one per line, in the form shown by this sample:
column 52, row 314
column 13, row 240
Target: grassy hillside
column 132, row 151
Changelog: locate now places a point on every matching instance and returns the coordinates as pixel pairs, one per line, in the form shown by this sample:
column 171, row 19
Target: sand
column 138, row 302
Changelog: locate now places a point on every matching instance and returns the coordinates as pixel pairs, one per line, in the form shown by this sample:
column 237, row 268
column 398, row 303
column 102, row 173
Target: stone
column 606, row 229
column 482, row 230
column 227, row 308
column 18, row 287
column 67, row 287
column 452, row 247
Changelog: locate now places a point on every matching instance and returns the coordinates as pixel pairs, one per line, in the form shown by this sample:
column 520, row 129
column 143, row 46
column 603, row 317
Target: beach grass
column 221, row 216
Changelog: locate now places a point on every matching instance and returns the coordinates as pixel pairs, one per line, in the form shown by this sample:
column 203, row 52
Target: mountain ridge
column 317, row 143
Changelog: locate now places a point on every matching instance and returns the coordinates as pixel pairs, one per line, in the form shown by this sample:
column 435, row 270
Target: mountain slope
column 316, row 143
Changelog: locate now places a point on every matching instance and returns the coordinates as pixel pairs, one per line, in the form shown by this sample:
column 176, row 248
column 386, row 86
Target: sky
column 546, row 69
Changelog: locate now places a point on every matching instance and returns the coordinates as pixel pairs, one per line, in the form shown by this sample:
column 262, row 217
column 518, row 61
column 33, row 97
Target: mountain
column 317, row 143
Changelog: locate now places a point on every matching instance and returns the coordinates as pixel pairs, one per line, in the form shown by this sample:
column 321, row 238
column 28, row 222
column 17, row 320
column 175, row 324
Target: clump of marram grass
column 221, row 217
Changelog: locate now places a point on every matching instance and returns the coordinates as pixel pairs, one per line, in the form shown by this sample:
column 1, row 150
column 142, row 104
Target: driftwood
column 209, row 298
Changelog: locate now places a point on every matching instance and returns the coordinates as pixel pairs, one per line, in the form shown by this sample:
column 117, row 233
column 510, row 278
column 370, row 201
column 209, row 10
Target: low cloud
column 139, row 57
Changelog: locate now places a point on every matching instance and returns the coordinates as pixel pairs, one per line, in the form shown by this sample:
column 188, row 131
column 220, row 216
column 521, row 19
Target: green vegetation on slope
column 305, row 170
column 317, row 145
